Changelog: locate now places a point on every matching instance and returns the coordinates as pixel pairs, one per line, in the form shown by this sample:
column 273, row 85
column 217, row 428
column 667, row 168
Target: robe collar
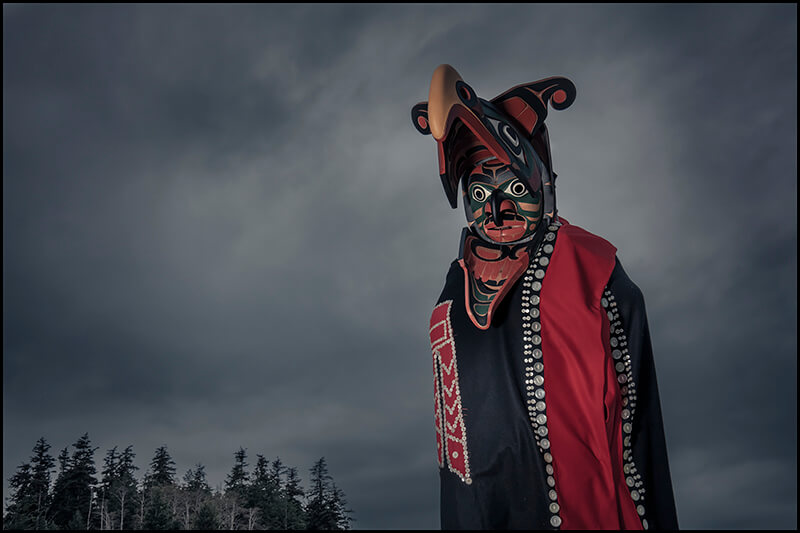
column 490, row 272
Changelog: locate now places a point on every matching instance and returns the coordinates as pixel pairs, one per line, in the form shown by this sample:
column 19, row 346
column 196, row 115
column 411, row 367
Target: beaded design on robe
column 451, row 435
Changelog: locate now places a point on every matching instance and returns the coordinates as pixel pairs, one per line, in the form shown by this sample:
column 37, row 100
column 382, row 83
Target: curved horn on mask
column 527, row 103
column 419, row 116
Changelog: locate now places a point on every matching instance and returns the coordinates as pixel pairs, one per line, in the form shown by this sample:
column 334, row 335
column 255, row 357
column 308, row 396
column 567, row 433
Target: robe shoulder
column 580, row 267
column 454, row 279
column 591, row 244
column 624, row 289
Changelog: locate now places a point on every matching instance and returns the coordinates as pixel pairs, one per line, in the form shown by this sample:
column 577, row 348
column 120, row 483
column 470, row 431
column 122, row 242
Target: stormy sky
column 220, row 229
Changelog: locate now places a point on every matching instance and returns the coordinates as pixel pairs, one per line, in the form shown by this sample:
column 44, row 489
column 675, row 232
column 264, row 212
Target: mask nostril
column 507, row 206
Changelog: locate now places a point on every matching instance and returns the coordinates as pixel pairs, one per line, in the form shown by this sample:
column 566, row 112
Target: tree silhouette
column 326, row 508
column 30, row 491
column 294, row 513
column 74, row 488
column 162, row 469
column 271, row 498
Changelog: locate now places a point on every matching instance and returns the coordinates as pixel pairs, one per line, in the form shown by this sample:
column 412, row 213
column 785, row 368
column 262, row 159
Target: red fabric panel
column 453, row 434
column 582, row 395
column 439, row 335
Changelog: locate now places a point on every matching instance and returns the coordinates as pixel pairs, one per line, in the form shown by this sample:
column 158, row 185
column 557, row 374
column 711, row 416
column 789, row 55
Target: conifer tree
column 60, row 484
column 193, row 494
column 18, row 511
column 63, row 460
column 157, row 486
column 162, row 469
column 195, row 480
column 73, row 491
column 235, row 499
column 123, row 489
column 42, row 464
column 236, row 481
column 109, row 471
column 108, row 475
column 117, row 492
column 342, row 513
column 265, row 494
column 273, row 510
column 276, row 473
column 294, row 514
column 326, row 508
column 320, row 514
column 29, row 501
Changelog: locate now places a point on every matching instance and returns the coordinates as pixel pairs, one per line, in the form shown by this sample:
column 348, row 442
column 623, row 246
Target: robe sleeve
column 647, row 439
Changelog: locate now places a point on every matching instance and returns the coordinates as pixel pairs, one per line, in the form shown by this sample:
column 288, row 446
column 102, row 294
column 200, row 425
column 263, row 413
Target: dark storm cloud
column 221, row 230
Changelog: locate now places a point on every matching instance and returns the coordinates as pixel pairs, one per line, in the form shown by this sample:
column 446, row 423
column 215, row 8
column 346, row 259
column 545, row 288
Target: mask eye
column 479, row 194
column 517, row 188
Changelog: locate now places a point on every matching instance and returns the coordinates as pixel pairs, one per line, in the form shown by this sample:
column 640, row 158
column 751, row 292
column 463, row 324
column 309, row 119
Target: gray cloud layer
column 222, row 230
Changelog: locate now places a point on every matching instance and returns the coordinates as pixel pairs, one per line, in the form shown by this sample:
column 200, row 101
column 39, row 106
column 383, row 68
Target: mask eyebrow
column 505, row 174
column 507, row 178
column 483, row 179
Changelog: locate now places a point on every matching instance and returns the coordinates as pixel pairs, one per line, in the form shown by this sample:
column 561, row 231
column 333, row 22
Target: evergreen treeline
column 268, row 497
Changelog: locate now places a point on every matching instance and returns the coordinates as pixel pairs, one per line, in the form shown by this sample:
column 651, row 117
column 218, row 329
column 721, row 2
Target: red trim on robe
column 451, row 438
column 582, row 394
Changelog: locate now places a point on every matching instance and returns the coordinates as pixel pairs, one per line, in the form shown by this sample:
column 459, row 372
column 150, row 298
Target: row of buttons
column 622, row 366
column 534, row 365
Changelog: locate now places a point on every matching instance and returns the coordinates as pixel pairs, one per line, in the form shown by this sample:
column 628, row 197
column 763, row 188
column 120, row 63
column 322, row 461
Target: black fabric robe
column 508, row 475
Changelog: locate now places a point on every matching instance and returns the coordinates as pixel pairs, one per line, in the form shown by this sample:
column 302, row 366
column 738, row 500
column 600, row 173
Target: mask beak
column 497, row 201
column 450, row 100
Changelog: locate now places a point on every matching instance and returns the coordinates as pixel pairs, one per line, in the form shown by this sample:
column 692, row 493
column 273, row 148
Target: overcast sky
column 221, row 229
